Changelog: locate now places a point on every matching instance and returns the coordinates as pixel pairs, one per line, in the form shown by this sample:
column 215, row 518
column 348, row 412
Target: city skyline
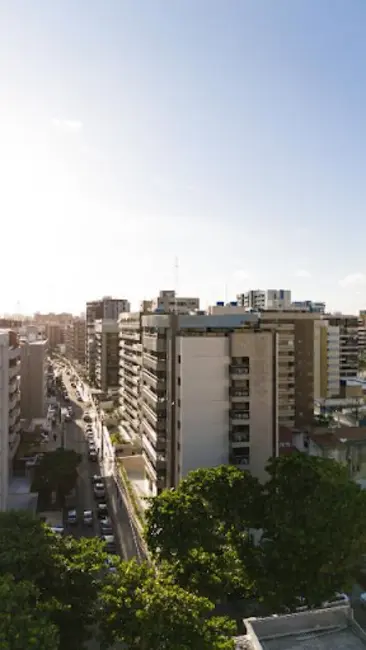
column 230, row 135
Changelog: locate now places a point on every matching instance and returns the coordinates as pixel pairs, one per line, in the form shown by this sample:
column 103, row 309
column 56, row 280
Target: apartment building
column 208, row 394
column 308, row 305
column 272, row 299
column 55, row 335
column 105, row 309
column 107, row 354
column 75, row 334
column 362, row 332
column 58, row 319
column 349, row 344
column 33, row 378
column 168, row 302
column 130, row 374
column 9, row 408
column 297, row 368
column 327, row 378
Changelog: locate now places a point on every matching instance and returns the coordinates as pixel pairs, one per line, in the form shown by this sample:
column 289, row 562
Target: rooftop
column 321, row 629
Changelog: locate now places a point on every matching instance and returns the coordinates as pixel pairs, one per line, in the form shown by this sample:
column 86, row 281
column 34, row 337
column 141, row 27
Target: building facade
column 200, row 391
column 33, row 378
column 105, row 309
column 9, row 408
column 272, row 299
column 107, row 354
column 168, row 302
column 348, row 343
column 75, row 335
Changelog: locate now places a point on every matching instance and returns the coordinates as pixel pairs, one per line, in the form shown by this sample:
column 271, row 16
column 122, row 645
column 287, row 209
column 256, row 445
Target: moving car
column 110, row 543
column 102, row 511
column 93, row 456
column 87, row 418
column 87, row 518
column 99, row 491
column 72, row 517
column 106, row 527
column 97, row 479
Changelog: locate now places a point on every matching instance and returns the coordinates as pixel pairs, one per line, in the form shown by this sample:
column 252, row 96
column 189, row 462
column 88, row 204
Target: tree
column 199, row 526
column 24, row 620
column 66, row 571
column 314, row 530
column 57, row 472
column 147, row 611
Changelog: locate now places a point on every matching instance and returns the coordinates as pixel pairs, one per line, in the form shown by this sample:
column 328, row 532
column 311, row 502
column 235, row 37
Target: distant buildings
column 106, row 308
column 75, row 340
column 33, row 378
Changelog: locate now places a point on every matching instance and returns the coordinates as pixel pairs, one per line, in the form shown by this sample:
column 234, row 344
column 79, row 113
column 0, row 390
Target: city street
column 125, row 536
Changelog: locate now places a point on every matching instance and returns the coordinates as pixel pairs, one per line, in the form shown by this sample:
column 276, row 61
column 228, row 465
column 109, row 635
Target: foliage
column 66, row 572
column 57, row 472
column 199, row 526
column 311, row 531
column 24, row 620
column 314, row 530
column 150, row 612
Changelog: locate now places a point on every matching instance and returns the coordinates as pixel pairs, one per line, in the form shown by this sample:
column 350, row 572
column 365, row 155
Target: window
column 179, row 403
column 178, row 425
column 178, row 381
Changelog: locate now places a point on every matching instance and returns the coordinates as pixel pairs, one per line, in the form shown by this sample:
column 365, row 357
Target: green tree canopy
column 24, row 620
column 198, row 527
column 314, row 530
column 65, row 571
column 57, row 472
column 146, row 611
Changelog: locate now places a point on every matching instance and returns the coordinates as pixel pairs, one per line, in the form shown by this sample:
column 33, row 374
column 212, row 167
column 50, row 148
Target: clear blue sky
column 229, row 133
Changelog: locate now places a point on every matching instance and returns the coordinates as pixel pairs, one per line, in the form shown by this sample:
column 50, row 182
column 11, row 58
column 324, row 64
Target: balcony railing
column 237, row 370
column 153, row 363
column 239, row 415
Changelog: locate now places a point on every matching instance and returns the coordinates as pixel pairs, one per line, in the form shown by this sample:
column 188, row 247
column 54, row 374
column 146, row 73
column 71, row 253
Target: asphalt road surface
column 125, row 535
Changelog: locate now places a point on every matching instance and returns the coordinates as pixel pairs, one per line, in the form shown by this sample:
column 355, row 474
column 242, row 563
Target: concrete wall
column 203, row 417
column 33, row 386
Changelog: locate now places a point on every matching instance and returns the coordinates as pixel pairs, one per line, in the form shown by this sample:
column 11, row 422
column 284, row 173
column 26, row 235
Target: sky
column 226, row 134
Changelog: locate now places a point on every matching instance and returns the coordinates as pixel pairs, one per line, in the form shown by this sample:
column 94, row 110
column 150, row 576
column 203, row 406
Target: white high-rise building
column 270, row 299
column 9, row 408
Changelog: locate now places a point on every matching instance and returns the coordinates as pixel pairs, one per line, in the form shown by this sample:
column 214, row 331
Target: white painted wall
column 203, row 394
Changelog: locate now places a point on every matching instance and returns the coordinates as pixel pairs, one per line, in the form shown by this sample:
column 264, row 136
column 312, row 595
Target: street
column 126, row 538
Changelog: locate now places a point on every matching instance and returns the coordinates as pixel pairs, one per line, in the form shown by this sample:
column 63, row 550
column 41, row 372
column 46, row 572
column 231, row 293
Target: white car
column 88, row 518
column 99, row 491
column 72, row 517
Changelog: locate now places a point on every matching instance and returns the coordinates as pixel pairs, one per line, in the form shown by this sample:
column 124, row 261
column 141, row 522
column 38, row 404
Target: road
column 126, row 537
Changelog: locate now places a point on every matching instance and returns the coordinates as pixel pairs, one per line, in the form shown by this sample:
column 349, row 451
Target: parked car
column 58, row 530
column 87, row 418
column 99, row 491
column 93, row 456
column 106, row 527
column 110, row 564
column 110, row 543
column 102, row 511
column 88, row 518
column 72, row 517
column 97, row 479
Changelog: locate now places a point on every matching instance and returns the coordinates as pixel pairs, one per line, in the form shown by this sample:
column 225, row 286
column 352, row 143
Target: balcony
column 14, row 400
column 238, row 371
column 153, row 380
column 239, row 395
column 149, row 467
column 14, row 416
column 148, row 430
column 153, row 363
column 131, row 387
column 149, row 413
column 14, row 371
column 153, row 342
column 157, row 403
column 150, row 450
column 237, row 417
column 129, row 334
